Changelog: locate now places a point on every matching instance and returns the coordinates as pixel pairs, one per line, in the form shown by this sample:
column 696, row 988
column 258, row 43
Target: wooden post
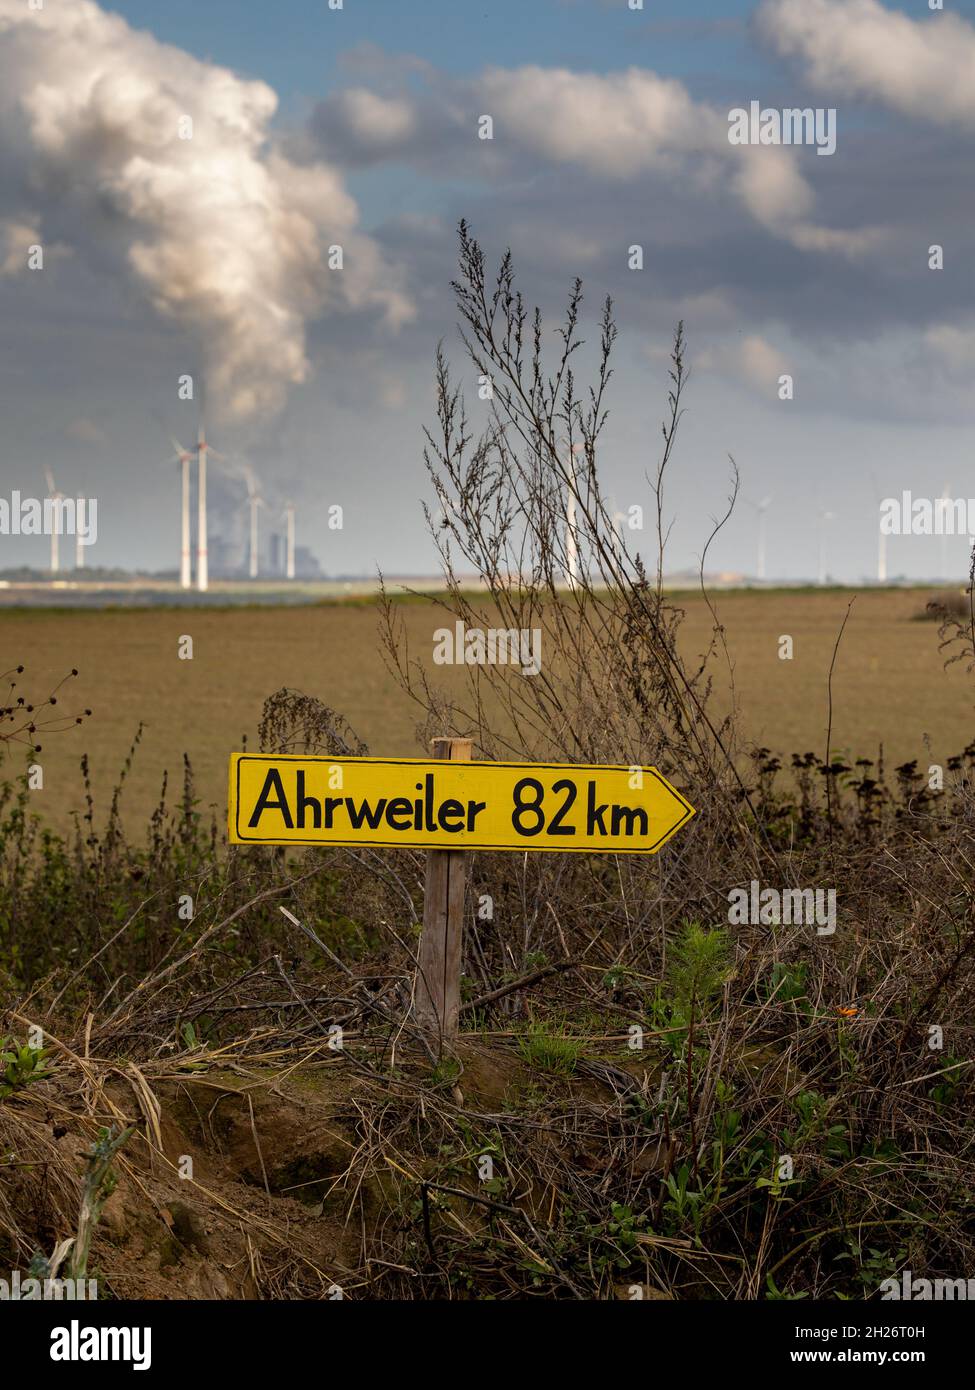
column 437, row 987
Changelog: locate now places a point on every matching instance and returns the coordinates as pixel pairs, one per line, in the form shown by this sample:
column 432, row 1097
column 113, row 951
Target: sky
column 315, row 127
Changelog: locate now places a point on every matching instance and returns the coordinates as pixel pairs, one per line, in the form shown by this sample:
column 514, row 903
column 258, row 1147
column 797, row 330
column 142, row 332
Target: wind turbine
column 823, row 518
column 255, row 502
column 761, row 508
column 54, row 497
column 202, row 566
column 571, row 537
column 183, row 457
column 289, row 515
column 571, row 544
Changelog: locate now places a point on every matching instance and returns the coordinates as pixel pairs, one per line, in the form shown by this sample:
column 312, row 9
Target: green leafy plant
column 22, row 1066
column 945, row 1092
column 699, row 964
column 787, row 984
column 873, row 1265
column 685, row 1205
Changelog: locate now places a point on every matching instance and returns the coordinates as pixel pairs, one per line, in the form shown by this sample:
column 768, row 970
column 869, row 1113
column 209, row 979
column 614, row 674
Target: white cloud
column 16, row 237
column 922, row 67
column 760, row 362
column 777, row 196
column 379, row 120
column 953, row 347
column 222, row 232
column 751, row 359
column 616, row 126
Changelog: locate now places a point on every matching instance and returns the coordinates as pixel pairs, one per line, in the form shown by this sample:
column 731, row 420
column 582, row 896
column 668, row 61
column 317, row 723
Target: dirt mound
column 310, row 1176
column 231, row 1188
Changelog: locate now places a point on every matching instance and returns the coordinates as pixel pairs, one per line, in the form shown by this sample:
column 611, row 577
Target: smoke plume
column 221, row 232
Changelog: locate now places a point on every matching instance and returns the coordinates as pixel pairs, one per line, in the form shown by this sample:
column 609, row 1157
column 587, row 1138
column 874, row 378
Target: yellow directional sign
column 401, row 803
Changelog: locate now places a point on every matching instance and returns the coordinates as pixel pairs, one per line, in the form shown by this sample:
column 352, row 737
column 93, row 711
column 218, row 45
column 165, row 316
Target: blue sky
column 163, row 257
column 298, row 47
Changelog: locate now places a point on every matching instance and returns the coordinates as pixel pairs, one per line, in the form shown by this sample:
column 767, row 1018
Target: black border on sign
column 467, row 846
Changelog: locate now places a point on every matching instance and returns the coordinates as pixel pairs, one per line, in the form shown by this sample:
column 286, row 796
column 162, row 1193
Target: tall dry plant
column 614, row 686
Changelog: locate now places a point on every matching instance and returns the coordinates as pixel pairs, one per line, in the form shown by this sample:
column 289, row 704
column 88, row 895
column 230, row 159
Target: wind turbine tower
column 202, row 566
column 289, row 513
column 255, row 502
column 203, row 449
column 762, row 509
column 571, row 535
column 183, row 457
column 55, row 498
column 571, row 545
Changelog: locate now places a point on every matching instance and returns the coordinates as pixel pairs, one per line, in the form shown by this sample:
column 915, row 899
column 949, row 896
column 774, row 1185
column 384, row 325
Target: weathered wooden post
column 437, row 986
column 285, row 799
